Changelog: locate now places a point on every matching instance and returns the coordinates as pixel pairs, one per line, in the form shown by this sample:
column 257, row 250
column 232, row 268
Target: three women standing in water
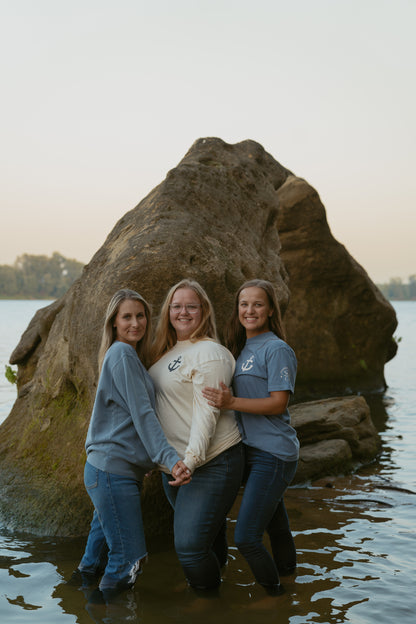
column 191, row 373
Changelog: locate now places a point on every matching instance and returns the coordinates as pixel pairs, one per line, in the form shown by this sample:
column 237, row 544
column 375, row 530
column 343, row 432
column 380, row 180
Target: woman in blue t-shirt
column 263, row 382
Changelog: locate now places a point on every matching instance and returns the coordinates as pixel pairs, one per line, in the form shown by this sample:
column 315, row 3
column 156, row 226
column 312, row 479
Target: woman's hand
column 221, row 398
column 181, row 474
column 275, row 403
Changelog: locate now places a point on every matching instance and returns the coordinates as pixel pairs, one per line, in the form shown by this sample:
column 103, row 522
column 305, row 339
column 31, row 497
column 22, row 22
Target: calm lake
column 355, row 535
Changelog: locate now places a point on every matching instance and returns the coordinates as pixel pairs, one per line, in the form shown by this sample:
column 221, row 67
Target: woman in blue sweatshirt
column 124, row 441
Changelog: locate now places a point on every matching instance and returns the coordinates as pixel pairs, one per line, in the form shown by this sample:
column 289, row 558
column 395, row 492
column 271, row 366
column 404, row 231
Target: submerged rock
column 335, row 435
column 216, row 218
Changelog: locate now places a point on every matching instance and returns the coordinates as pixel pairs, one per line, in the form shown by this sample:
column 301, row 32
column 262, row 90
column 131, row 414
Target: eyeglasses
column 191, row 308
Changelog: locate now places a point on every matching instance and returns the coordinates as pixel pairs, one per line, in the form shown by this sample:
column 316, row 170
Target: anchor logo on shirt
column 175, row 364
column 248, row 364
column 284, row 374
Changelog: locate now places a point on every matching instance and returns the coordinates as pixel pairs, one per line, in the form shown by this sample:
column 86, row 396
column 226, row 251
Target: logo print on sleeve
column 248, row 364
column 175, row 364
column 284, row 374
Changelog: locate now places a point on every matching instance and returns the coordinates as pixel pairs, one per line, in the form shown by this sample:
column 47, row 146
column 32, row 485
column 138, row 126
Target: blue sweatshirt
column 124, row 436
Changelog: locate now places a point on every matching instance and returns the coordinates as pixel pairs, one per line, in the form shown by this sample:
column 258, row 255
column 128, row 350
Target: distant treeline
column 396, row 290
column 38, row 277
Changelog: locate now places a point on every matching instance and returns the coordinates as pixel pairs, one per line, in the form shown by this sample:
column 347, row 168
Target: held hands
column 221, row 398
column 181, row 474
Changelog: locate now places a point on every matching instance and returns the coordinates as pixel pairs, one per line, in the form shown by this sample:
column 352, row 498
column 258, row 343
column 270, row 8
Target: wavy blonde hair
column 109, row 331
column 235, row 334
column 165, row 335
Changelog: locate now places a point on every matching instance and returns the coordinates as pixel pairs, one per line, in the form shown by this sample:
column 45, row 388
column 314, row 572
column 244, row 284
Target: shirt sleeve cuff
column 191, row 461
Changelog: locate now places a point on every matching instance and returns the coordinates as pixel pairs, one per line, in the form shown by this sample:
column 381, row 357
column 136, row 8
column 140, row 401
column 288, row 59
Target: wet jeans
column 116, row 528
column 262, row 509
column 201, row 508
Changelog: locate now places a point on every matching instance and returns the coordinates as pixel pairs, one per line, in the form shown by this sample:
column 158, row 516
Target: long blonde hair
column 165, row 335
column 235, row 334
column 110, row 332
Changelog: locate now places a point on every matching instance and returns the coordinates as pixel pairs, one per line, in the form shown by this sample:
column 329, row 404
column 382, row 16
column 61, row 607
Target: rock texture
column 335, row 434
column 338, row 322
column 214, row 218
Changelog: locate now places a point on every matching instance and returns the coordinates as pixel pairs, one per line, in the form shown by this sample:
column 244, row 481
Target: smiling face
column 254, row 311
column 130, row 322
column 185, row 312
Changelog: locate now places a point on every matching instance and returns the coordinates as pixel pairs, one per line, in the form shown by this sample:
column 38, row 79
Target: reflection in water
column 349, row 560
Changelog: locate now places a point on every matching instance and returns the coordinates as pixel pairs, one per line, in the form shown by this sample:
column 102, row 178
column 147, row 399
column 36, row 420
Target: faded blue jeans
column 262, row 509
column 116, row 528
column 201, row 508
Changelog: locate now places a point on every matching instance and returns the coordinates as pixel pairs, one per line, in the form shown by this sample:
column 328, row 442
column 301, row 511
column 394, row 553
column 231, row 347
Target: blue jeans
column 201, row 508
column 262, row 509
column 116, row 528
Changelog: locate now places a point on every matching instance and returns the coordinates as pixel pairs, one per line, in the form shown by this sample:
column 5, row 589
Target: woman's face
column 254, row 311
column 185, row 312
column 130, row 322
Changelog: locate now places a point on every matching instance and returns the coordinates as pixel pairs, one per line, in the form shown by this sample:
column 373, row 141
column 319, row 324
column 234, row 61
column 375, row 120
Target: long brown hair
column 110, row 333
column 165, row 335
column 235, row 334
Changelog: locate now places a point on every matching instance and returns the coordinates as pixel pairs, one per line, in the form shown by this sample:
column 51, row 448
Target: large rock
column 338, row 322
column 213, row 218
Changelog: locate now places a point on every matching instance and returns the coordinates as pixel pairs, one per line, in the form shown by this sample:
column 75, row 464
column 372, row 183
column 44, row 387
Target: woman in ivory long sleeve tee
column 187, row 355
column 198, row 431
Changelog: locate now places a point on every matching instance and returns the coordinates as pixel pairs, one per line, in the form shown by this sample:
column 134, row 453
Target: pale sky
column 101, row 98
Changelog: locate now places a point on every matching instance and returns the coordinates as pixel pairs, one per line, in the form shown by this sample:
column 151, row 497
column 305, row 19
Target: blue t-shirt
column 266, row 364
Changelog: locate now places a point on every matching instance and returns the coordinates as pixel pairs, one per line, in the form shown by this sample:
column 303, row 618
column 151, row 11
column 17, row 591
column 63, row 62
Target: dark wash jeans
column 116, row 527
column 201, row 508
column 262, row 509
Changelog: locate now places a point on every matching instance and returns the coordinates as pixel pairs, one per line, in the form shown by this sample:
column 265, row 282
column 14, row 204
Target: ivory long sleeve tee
column 124, row 435
column 198, row 431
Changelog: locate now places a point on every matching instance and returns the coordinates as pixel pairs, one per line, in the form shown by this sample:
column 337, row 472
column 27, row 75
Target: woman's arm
column 204, row 415
column 222, row 398
column 128, row 376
